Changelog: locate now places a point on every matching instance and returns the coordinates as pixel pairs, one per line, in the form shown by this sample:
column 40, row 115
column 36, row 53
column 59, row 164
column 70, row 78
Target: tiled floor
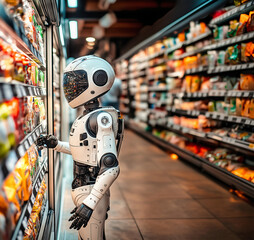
column 156, row 198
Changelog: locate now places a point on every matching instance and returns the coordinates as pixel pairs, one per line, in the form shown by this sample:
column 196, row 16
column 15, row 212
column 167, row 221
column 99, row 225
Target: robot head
column 86, row 79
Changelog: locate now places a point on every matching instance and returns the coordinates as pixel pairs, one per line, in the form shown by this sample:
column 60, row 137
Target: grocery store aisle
column 158, row 198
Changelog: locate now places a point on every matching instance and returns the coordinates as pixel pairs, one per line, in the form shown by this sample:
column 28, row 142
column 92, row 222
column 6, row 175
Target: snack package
column 23, row 168
column 247, row 82
column 238, row 107
column 250, row 23
column 251, row 110
column 242, row 28
column 245, row 107
column 233, row 26
column 249, row 51
column 195, row 83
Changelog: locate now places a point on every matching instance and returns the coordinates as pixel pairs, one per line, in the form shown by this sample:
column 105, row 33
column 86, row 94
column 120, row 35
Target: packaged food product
column 249, row 51
column 195, row 83
column 245, row 107
column 247, row 82
column 233, row 26
column 23, row 168
column 242, row 28
column 250, row 23
column 251, row 110
column 238, row 106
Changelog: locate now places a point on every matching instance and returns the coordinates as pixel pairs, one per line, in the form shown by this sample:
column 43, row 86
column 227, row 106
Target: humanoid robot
column 94, row 143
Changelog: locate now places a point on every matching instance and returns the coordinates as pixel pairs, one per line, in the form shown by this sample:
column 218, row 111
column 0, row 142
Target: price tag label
column 238, row 120
column 32, row 199
column 248, row 4
column 24, row 222
column 247, row 121
column 18, row 91
column 238, row 67
column 30, row 140
column 246, row 94
column 26, row 144
column 29, row 208
column 37, row 132
column 21, row 150
column 7, row 91
column 23, row 90
column 238, row 94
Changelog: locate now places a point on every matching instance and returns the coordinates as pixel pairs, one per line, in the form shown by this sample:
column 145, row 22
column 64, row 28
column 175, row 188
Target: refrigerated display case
column 30, row 179
column 192, row 92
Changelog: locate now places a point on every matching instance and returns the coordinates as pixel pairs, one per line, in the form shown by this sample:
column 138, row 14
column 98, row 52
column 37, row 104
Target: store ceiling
column 131, row 15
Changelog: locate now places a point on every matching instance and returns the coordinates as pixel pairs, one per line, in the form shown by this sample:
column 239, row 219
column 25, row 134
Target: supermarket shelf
column 27, row 209
column 214, row 115
column 231, row 142
column 155, row 77
column 215, row 93
column 21, row 42
column 198, row 38
column 188, row 42
column 140, row 74
column 187, row 54
column 230, row 68
column 172, row 49
column 175, row 74
column 43, row 221
column 10, row 90
column 218, row 172
column 157, row 89
column 9, row 163
column 160, row 62
column 162, row 52
column 196, row 70
column 230, row 41
column 235, row 12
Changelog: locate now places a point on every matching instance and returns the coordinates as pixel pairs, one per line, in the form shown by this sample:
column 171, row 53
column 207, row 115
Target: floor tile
column 228, row 207
column 167, row 208
column 205, row 189
column 184, row 229
column 122, row 230
column 140, row 192
column 243, row 227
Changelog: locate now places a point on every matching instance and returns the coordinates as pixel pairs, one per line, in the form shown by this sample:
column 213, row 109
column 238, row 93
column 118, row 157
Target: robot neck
column 92, row 105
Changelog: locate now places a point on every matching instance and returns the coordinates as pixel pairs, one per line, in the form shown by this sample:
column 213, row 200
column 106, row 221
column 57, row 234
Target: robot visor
column 74, row 83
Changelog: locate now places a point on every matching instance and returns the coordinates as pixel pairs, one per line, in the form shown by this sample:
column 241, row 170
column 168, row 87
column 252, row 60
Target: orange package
column 23, row 169
column 247, row 82
column 249, row 50
column 188, row 80
column 181, row 37
column 251, row 110
column 195, row 83
column 245, row 107
column 238, row 106
column 250, row 23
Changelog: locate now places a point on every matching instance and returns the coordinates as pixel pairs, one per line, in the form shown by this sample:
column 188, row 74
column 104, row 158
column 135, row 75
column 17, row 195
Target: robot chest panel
column 83, row 146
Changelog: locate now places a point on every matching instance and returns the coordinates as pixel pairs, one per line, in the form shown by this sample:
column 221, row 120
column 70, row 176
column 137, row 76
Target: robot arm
column 109, row 170
column 51, row 141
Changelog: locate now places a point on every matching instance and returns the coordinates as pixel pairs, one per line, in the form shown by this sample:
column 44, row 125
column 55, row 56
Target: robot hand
column 49, row 140
column 81, row 216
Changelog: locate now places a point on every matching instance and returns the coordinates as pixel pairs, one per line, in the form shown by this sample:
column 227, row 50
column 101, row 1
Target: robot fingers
column 74, row 210
column 74, row 223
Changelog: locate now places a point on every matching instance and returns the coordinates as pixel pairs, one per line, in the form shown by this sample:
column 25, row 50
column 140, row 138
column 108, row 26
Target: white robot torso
column 87, row 148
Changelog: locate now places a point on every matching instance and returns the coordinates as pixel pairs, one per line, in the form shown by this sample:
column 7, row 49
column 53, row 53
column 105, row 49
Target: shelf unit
column 12, row 32
column 164, row 99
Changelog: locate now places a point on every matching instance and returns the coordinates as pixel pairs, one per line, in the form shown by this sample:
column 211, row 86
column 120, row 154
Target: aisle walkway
column 156, row 198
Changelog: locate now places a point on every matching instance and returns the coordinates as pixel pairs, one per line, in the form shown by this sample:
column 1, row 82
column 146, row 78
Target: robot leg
column 95, row 227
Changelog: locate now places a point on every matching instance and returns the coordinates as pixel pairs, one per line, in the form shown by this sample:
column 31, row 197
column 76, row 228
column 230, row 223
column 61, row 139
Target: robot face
column 74, row 83
column 87, row 78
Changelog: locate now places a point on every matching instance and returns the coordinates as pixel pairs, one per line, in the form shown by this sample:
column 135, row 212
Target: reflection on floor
column 157, row 198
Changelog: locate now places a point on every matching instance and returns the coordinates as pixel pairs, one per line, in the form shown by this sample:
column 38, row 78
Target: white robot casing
column 92, row 65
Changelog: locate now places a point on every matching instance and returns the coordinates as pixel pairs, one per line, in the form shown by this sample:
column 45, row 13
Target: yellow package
column 23, row 169
column 188, row 80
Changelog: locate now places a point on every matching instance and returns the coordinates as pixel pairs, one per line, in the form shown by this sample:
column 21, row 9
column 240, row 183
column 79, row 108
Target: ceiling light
column 72, row 3
column 61, row 35
column 90, row 39
column 73, row 29
column 91, row 43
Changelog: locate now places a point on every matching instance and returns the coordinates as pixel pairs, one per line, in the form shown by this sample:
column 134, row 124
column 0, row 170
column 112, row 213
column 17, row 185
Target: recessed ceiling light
column 90, row 39
column 72, row 3
column 73, row 29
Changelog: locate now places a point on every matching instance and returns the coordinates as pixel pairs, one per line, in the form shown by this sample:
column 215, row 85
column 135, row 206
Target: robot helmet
column 86, row 79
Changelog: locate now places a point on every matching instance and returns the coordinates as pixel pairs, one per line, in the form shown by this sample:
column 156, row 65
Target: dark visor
column 74, row 83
